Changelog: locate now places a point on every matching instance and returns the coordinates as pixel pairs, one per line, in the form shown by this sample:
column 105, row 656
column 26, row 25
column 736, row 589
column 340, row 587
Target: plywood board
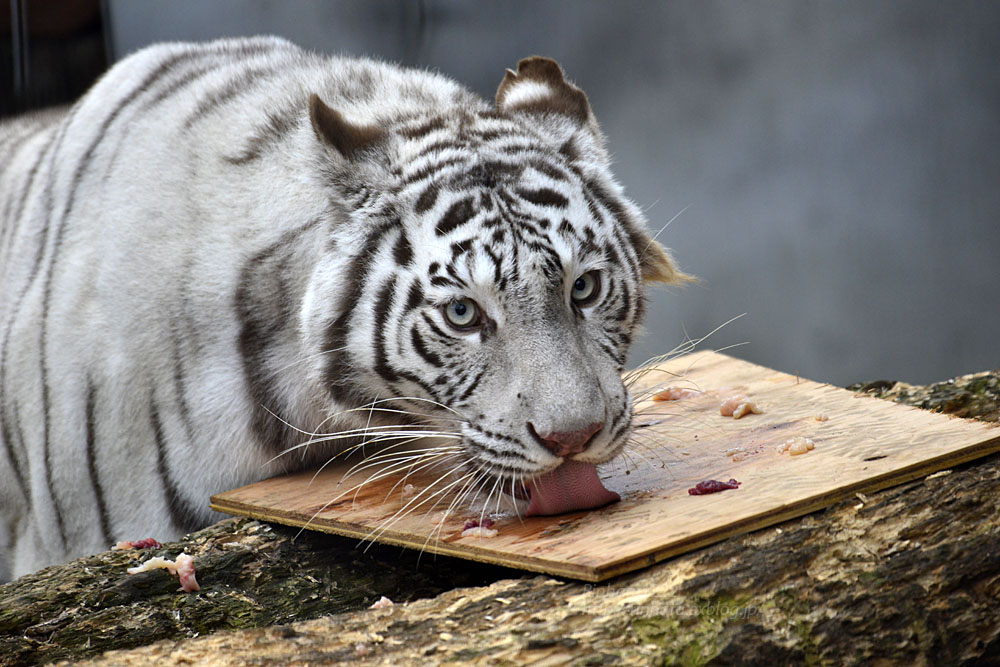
column 864, row 444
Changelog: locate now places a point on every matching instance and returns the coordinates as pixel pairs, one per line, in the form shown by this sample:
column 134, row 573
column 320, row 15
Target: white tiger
column 221, row 242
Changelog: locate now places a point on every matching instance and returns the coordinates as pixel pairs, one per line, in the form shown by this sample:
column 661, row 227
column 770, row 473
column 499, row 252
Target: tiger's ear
column 658, row 265
column 539, row 86
column 348, row 139
column 539, row 90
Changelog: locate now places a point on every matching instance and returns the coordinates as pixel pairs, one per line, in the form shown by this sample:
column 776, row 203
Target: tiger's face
column 496, row 282
column 517, row 315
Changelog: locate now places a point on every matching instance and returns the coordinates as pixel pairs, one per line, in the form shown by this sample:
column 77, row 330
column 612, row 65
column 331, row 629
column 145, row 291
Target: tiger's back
column 223, row 247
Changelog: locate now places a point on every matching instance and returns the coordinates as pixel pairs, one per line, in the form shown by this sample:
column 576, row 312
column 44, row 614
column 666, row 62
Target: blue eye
column 462, row 313
column 586, row 288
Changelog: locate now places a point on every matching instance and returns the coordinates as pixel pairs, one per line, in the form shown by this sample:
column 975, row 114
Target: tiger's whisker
column 409, row 507
column 310, row 357
column 394, row 468
column 356, row 468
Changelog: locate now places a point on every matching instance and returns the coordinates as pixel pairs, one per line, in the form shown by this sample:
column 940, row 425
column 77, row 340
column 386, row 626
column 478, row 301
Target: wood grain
column 865, row 444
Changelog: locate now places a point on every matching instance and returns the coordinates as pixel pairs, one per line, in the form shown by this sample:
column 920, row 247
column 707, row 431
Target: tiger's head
column 495, row 281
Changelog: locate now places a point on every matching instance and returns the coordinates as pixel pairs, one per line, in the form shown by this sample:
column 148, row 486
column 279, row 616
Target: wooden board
column 865, row 444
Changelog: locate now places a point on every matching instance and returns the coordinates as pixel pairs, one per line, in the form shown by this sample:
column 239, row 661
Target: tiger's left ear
column 657, row 264
column 349, row 139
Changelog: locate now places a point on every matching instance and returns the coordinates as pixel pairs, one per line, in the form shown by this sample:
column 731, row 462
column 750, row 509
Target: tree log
column 909, row 574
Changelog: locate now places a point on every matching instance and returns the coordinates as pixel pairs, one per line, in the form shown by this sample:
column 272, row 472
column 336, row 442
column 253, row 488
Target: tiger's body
column 223, row 247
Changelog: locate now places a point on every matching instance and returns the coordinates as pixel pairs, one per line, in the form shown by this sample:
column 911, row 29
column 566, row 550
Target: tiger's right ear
column 539, row 86
column 348, row 139
column 539, row 90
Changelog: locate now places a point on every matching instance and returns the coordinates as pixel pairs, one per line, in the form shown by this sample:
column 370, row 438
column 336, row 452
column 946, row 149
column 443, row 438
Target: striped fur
column 222, row 241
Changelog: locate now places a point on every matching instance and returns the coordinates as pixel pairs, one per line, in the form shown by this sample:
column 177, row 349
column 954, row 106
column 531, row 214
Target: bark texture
column 907, row 575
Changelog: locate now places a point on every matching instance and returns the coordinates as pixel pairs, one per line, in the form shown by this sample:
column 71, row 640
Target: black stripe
column 183, row 515
column 177, row 356
column 441, row 281
column 553, row 171
column 428, row 389
column 12, row 145
column 495, row 223
column 383, row 302
column 487, row 175
column 526, row 226
column 414, row 298
column 457, row 214
column 8, row 445
column 625, row 248
column 522, row 151
column 460, row 248
column 610, row 294
column 427, row 198
column 265, row 136
column 569, row 150
column 435, row 330
column 431, row 170
column 23, row 202
column 618, row 212
column 567, row 230
column 437, row 146
column 234, row 87
column 503, row 438
column 22, row 449
column 46, row 427
column 497, row 457
column 639, row 309
column 491, row 114
column 339, row 370
column 487, row 136
column 624, row 426
column 423, row 129
column 403, row 252
column 623, row 312
column 264, row 306
column 184, row 79
column 95, row 480
column 624, row 339
column 472, row 386
column 497, row 264
column 608, row 350
column 544, row 197
column 10, row 223
column 421, row 348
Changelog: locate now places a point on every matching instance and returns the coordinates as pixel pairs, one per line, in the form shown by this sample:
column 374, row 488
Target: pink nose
column 567, row 443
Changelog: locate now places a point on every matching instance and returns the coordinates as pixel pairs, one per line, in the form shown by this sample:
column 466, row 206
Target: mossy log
column 907, row 575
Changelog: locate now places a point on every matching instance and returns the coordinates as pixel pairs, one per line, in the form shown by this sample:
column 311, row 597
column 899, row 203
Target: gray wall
column 836, row 163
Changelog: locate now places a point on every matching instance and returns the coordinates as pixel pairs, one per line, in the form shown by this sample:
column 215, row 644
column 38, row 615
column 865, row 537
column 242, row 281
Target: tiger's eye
column 586, row 288
column 462, row 313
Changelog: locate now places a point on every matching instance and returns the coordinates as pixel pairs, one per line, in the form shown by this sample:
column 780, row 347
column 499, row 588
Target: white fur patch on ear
column 527, row 93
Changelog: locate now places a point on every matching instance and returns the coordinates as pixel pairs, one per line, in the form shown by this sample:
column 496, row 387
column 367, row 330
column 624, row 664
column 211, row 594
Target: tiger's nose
column 566, row 443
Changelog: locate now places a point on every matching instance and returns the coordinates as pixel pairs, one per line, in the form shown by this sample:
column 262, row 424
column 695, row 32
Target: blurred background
column 832, row 169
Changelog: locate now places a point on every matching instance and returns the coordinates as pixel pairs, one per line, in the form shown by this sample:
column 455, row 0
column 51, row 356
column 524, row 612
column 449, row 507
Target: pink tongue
column 570, row 487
